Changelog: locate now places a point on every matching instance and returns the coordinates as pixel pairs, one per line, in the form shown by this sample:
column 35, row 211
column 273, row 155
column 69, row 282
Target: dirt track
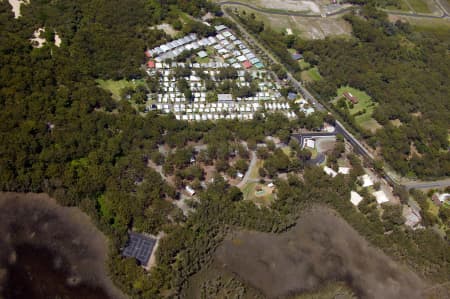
column 321, row 247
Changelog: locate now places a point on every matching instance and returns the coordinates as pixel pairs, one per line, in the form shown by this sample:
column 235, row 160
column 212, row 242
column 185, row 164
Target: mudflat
column 322, row 247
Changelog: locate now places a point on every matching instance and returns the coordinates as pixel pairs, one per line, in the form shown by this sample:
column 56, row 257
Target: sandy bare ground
column 319, row 28
column 58, row 40
column 326, row 144
column 293, row 5
column 16, row 6
column 37, row 220
column 167, row 28
column 321, row 247
column 37, row 40
column 152, row 260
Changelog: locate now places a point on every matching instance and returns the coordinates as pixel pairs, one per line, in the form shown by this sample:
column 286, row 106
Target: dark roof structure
column 140, row 247
column 292, row 96
column 297, row 56
column 350, row 97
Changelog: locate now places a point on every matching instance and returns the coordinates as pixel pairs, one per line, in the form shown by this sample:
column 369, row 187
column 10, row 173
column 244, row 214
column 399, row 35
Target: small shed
column 247, row 64
column 190, row 191
column 350, row 97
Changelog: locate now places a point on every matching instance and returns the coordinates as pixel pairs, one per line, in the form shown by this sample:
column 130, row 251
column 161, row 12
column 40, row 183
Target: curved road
column 338, row 12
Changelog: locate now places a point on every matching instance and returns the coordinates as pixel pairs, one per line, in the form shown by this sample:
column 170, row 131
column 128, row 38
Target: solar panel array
column 139, row 247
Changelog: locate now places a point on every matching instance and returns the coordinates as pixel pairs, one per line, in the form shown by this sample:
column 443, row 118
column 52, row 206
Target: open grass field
column 264, row 197
column 303, row 64
column 287, row 150
column 311, row 75
column 403, row 6
column 254, row 172
column 285, row 5
column 308, row 28
column 116, row 86
column 419, row 6
column 365, row 103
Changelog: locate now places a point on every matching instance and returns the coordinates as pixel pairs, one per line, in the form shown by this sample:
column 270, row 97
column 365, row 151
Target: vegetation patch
column 311, row 75
column 419, row 6
column 400, row 5
column 332, row 290
column 260, row 257
column 362, row 111
column 258, row 193
column 116, row 86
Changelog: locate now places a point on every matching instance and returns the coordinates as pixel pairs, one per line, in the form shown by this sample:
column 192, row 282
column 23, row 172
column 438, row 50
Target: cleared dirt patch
column 321, row 247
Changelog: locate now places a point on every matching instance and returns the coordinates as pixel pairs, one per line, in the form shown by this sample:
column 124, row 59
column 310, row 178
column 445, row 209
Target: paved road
column 427, row 185
column 338, row 12
column 339, row 127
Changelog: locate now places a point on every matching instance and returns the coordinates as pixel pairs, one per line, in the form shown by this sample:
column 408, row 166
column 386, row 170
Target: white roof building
column 367, row 180
column 344, row 170
column 220, row 27
column 310, row 143
column 330, row 171
column 224, row 97
column 380, row 196
column 355, row 198
column 190, row 191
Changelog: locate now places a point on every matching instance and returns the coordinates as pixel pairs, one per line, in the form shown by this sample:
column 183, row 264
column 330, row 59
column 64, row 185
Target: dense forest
column 62, row 134
column 407, row 72
column 404, row 69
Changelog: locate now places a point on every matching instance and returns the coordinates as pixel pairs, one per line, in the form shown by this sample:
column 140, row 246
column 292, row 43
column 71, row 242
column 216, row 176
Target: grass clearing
column 303, row 64
column 308, row 28
column 115, row 87
column 311, row 75
column 287, row 150
column 363, row 110
column 433, row 208
column 419, row 6
column 254, row 172
column 263, row 197
column 403, row 6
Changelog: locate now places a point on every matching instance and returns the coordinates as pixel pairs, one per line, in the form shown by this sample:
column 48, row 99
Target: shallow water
column 38, row 273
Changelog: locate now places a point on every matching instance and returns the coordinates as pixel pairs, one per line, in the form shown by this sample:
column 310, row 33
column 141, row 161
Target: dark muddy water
column 48, row 251
column 39, row 273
